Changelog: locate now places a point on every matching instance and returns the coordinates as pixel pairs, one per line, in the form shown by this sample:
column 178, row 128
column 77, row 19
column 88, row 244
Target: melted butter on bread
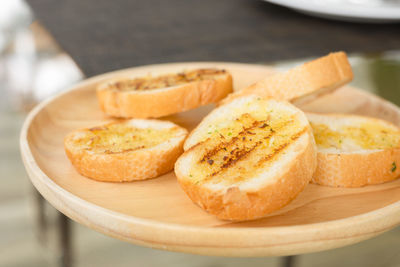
column 244, row 146
column 366, row 135
column 122, row 137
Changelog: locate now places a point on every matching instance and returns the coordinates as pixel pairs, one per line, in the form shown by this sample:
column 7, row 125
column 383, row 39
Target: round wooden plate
column 158, row 214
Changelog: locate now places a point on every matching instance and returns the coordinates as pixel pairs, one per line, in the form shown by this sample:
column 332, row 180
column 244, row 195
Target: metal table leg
column 64, row 228
column 41, row 222
column 288, row 261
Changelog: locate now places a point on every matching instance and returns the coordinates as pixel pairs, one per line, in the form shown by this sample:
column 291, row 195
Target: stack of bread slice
column 251, row 155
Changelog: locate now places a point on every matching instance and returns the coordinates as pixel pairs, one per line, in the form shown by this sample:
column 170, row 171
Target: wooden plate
column 158, row 214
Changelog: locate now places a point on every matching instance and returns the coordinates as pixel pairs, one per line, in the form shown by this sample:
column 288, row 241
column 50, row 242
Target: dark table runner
column 104, row 35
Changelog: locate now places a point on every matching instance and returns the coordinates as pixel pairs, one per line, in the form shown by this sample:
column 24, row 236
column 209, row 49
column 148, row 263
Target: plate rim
column 36, row 175
column 387, row 13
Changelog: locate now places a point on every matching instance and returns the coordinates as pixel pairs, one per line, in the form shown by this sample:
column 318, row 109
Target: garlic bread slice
column 303, row 83
column 247, row 158
column 125, row 151
column 157, row 96
column 354, row 151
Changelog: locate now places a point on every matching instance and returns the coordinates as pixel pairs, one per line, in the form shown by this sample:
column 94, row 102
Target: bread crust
column 303, row 83
column 135, row 165
column 356, row 170
column 165, row 101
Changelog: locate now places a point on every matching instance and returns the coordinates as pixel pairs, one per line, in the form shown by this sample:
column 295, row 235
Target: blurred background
column 47, row 46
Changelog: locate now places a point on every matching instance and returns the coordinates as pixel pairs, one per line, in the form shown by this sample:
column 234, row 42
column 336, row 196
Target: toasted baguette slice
column 125, row 151
column 354, row 151
column 153, row 97
column 303, row 83
column 248, row 158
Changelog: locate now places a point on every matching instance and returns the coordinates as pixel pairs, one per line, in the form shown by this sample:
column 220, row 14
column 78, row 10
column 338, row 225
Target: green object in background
column 385, row 76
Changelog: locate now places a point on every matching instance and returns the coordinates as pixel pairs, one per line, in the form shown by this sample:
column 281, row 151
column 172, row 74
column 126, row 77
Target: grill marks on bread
column 247, row 158
column 258, row 143
column 281, row 147
column 242, row 137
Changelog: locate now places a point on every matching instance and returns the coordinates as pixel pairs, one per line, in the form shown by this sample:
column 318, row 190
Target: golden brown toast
column 125, row 151
column 247, row 158
column 157, row 96
column 302, row 83
column 354, row 151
